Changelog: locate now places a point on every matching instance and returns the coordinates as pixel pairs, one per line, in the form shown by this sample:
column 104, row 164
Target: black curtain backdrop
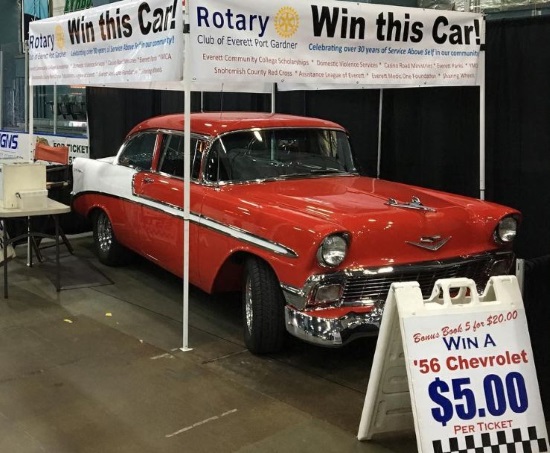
column 430, row 136
column 518, row 160
column 518, row 132
column 537, row 309
column 112, row 112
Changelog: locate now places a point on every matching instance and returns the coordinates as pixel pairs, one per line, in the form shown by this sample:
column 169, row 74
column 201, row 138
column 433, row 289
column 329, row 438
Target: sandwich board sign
column 458, row 367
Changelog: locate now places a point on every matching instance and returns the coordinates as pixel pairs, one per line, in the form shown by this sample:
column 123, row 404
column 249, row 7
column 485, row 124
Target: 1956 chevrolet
column 279, row 210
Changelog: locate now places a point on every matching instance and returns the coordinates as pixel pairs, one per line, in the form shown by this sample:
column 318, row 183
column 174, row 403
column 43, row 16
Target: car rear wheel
column 263, row 308
column 108, row 249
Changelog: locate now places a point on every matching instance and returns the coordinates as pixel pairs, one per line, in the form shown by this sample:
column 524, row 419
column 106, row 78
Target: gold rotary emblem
column 287, row 21
column 59, row 37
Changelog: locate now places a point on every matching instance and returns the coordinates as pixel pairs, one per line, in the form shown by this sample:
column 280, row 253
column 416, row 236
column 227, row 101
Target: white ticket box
column 18, row 178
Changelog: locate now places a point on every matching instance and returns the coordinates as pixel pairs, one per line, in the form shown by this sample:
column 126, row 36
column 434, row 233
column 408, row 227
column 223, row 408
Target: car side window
column 138, row 151
column 172, row 156
column 217, row 168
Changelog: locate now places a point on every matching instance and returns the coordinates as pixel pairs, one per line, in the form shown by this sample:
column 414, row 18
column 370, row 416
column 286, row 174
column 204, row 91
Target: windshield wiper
column 326, row 170
column 315, row 172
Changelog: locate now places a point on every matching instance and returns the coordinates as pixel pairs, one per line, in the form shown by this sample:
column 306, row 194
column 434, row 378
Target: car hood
column 334, row 198
column 362, row 207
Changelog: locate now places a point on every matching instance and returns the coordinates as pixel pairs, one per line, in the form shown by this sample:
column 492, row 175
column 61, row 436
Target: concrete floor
column 98, row 368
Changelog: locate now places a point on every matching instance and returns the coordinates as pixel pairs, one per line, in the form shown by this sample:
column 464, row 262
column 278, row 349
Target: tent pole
column 31, row 122
column 481, row 72
column 54, row 108
column 380, row 110
column 27, row 85
column 1, row 88
column 186, row 177
column 31, row 159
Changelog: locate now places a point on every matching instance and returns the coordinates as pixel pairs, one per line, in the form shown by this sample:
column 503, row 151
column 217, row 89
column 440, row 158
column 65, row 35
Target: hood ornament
column 432, row 243
column 415, row 203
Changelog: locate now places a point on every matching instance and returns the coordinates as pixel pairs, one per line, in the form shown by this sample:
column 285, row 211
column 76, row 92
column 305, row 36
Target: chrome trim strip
column 228, row 230
column 412, row 267
column 243, row 235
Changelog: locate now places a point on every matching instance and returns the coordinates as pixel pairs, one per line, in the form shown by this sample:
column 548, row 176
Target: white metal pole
column 1, row 88
column 186, row 176
column 481, row 74
column 380, row 110
column 26, row 95
column 31, row 122
column 31, row 157
column 54, row 109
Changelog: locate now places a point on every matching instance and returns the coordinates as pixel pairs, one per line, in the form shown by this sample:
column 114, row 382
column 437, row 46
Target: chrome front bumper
column 368, row 287
column 332, row 331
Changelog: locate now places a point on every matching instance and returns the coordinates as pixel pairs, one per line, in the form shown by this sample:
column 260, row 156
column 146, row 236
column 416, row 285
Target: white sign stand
column 469, row 366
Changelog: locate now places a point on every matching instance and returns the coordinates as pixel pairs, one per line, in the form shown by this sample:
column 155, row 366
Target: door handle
column 148, row 180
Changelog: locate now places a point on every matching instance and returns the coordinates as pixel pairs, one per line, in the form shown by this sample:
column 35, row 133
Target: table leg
column 29, row 243
column 58, row 277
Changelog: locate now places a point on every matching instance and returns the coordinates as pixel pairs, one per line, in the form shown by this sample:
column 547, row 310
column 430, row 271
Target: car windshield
column 280, row 153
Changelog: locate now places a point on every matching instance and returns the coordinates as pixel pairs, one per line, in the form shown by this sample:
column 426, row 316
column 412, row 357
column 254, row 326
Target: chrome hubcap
column 104, row 233
column 248, row 312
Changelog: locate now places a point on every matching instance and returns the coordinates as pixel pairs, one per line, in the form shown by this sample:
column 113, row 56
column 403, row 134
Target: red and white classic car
column 278, row 210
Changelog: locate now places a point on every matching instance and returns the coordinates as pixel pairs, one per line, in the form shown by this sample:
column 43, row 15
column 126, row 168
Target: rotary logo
column 287, row 21
column 59, row 37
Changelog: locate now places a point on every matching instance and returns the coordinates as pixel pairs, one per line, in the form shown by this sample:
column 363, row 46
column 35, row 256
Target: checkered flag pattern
column 510, row 441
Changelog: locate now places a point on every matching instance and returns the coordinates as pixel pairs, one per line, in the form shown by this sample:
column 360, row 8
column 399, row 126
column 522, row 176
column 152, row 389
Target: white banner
column 326, row 42
column 130, row 41
column 16, row 146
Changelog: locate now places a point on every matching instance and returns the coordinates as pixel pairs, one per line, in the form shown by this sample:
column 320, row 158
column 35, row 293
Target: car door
column 161, row 214
column 135, row 158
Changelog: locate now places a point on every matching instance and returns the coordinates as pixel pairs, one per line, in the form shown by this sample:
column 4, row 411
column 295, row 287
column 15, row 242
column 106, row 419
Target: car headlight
column 506, row 229
column 332, row 250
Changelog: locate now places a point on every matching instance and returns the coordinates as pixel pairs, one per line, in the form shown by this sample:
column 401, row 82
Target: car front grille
column 367, row 288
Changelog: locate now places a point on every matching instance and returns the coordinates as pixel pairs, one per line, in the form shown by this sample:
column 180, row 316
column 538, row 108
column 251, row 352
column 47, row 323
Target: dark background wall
column 518, row 133
column 430, row 137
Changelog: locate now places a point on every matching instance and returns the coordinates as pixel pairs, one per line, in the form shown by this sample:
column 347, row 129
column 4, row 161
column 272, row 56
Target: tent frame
column 187, row 88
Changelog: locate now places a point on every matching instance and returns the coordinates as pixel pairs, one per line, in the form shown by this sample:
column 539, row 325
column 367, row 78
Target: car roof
column 216, row 123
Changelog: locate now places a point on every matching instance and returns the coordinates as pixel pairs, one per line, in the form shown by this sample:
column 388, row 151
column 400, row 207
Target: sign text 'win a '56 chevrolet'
column 279, row 210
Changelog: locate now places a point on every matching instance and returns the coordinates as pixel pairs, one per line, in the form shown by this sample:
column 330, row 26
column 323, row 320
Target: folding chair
column 58, row 155
column 56, row 176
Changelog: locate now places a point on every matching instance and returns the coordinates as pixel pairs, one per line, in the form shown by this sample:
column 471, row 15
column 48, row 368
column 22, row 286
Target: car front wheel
column 263, row 308
column 108, row 249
